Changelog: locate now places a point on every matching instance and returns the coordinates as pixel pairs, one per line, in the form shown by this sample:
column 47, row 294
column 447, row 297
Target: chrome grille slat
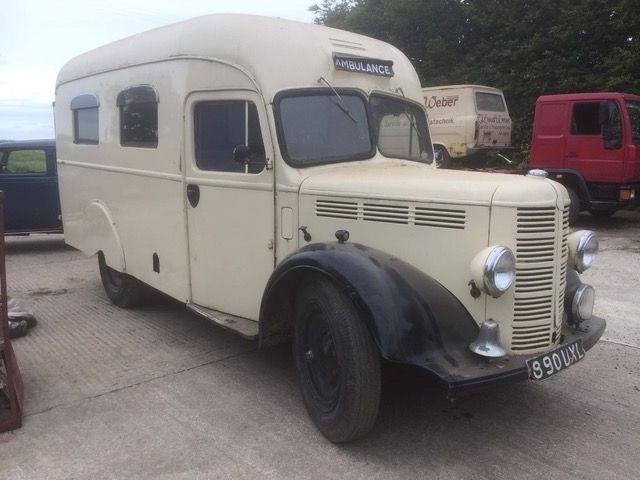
column 541, row 267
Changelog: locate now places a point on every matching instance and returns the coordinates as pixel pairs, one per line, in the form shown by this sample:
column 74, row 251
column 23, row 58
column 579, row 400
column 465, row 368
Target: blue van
column 29, row 180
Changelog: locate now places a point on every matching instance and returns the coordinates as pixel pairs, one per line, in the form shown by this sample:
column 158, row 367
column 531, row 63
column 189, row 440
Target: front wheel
column 337, row 362
column 122, row 289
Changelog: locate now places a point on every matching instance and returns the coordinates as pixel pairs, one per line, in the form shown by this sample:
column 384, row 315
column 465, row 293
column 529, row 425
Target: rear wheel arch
column 101, row 235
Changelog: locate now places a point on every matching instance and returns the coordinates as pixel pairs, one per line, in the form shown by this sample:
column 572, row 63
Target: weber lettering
column 441, row 102
column 370, row 66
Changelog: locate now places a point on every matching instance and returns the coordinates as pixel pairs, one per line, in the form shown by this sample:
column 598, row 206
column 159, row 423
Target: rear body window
column 85, row 125
column 22, row 162
column 138, row 117
column 220, row 127
column 490, row 102
column 85, row 119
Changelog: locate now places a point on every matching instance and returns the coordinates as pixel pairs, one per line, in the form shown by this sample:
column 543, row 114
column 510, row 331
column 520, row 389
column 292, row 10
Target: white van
column 466, row 120
column 278, row 178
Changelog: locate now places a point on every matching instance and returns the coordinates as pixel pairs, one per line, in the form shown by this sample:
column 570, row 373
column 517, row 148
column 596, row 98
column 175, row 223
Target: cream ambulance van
column 278, row 178
column 466, row 120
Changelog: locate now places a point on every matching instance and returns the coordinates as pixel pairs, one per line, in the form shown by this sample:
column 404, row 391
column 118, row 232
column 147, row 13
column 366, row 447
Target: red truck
column 590, row 142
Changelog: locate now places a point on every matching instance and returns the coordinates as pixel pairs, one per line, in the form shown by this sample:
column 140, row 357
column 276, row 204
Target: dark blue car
column 29, row 180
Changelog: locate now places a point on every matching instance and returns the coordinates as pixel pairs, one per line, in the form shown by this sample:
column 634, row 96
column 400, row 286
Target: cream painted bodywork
column 131, row 202
column 453, row 115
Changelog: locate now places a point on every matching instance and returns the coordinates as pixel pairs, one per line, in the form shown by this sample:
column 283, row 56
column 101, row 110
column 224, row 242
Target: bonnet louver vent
column 393, row 213
column 333, row 209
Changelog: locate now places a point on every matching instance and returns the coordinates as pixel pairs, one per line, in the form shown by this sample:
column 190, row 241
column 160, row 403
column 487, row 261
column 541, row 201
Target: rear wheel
column 337, row 362
column 122, row 289
column 443, row 160
column 575, row 207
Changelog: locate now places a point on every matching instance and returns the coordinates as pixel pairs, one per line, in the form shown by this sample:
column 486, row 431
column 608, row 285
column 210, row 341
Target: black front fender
column 412, row 317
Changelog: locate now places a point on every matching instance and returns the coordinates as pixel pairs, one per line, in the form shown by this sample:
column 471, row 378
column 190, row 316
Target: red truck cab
column 590, row 142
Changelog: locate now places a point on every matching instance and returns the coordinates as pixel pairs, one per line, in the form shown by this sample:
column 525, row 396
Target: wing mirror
column 250, row 156
column 609, row 117
column 241, row 154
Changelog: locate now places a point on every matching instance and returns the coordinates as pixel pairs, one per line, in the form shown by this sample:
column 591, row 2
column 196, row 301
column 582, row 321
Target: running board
column 242, row 326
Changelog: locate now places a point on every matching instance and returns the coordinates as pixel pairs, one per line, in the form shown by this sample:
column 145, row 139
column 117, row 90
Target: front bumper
column 474, row 373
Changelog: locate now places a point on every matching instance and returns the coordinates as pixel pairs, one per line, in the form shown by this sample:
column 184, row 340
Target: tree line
column 527, row 48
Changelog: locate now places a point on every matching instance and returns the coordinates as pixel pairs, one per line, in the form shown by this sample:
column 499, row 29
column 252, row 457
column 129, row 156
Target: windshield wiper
column 341, row 104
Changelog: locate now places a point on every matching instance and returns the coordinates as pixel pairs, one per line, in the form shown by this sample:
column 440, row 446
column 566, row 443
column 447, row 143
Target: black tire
column 441, row 156
column 122, row 289
column 575, row 208
column 337, row 362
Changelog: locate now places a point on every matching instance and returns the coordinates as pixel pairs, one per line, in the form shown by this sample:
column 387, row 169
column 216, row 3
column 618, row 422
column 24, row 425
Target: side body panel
column 452, row 118
column 139, row 191
column 549, row 135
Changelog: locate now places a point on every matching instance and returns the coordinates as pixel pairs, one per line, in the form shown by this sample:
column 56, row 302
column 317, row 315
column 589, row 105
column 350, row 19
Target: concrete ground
column 159, row 393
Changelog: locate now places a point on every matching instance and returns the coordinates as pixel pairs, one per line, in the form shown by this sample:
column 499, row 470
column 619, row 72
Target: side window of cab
column 227, row 137
column 23, row 162
column 598, row 118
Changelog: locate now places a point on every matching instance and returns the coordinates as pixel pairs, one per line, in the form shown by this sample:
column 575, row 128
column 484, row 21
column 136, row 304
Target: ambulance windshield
column 316, row 126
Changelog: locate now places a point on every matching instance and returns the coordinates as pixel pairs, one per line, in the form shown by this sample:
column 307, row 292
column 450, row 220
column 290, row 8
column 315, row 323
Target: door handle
column 571, row 155
column 193, row 194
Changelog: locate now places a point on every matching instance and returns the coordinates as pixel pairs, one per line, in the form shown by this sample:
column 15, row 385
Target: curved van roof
column 563, row 97
column 451, row 87
column 276, row 53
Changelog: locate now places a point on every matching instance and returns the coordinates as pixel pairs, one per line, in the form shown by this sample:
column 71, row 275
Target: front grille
column 541, row 268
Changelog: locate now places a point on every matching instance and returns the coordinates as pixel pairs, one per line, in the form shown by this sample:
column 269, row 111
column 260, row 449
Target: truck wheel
column 575, row 208
column 337, row 362
column 442, row 158
column 122, row 289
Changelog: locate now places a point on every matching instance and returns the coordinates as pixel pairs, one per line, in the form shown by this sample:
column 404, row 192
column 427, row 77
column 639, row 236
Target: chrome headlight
column 582, row 303
column 583, row 249
column 494, row 270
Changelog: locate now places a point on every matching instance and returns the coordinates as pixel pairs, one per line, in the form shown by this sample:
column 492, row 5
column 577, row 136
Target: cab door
column 229, row 204
column 586, row 150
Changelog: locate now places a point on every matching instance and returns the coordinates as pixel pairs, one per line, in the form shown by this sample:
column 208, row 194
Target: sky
column 38, row 36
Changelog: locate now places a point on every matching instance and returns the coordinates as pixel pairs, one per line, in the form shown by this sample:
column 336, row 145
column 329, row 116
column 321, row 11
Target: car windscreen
column 633, row 108
column 489, row 102
column 400, row 128
column 324, row 127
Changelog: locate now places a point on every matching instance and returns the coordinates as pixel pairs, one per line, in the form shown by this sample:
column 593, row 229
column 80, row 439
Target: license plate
column 550, row 363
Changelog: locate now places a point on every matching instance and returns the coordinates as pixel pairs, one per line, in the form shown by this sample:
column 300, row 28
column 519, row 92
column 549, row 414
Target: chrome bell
column 488, row 342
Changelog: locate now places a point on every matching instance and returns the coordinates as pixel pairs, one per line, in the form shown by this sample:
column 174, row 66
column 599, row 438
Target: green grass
column 26, row 161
